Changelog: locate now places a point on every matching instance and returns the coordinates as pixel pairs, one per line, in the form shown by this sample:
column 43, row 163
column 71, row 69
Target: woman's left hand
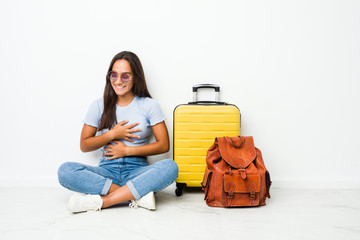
column 117, row 150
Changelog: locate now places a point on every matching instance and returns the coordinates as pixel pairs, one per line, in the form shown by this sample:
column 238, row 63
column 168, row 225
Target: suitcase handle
column 208, row 102
column 213, row 86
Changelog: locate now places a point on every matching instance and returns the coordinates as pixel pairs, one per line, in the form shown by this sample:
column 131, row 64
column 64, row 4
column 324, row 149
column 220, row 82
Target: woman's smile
column 119, row 87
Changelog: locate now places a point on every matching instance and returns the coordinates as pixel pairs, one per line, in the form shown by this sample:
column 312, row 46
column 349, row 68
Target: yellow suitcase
column 196, row 125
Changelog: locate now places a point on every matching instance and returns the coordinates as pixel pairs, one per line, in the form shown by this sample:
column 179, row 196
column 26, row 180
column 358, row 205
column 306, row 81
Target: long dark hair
column 139, row 89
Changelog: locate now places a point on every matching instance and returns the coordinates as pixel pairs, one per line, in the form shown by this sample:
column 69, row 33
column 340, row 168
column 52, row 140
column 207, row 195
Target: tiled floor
column 40, row 213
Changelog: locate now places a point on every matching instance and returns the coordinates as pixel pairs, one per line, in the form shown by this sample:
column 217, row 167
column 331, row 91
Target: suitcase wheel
column 179, row 189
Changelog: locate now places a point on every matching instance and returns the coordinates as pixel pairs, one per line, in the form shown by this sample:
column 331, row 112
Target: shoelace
column 133, row 204
column 91, row 205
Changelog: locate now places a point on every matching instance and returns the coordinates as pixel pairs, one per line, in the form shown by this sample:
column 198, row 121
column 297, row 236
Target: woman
column 121, row 124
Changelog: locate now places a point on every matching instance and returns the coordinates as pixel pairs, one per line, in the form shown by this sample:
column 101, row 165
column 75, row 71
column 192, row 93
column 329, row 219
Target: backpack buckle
column 252, row 196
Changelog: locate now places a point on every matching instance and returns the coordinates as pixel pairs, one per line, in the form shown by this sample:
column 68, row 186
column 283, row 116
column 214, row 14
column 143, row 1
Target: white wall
column 292, row 67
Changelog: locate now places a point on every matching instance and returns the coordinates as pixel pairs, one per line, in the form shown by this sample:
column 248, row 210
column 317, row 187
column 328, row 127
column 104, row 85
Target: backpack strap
column 268, row 183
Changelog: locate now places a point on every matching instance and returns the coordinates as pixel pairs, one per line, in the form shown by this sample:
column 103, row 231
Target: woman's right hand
column 122, row 131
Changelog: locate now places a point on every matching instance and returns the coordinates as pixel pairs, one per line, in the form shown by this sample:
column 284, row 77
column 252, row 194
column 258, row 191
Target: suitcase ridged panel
column 199, row 118
column 195, row 129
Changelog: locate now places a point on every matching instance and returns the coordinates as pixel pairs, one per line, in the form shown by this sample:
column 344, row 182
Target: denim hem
column 106, row 187
column 132, row 189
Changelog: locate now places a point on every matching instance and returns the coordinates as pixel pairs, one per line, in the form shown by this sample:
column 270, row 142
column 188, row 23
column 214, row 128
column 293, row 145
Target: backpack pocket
column 206, row 184
column 239, row 191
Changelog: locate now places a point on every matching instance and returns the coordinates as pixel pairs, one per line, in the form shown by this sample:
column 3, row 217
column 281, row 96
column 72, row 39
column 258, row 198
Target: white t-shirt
column 143, row 110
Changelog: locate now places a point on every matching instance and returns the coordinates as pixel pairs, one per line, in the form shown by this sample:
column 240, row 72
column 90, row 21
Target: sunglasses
column 113, row 76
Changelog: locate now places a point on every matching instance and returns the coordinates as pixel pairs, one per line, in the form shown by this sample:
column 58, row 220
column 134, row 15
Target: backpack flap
column 238, row 152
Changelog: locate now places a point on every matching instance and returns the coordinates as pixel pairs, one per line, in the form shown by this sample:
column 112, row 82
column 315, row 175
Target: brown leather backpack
column 235, row 175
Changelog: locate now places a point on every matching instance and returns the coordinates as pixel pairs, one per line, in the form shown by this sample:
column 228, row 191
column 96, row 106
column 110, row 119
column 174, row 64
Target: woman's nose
column 118, row 80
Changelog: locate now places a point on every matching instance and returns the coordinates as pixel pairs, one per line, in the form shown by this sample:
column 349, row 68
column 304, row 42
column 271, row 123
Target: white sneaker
column 147, row 201
column 84, row 203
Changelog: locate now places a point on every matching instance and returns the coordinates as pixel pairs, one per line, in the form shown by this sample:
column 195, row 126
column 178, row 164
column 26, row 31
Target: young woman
column 121, row 124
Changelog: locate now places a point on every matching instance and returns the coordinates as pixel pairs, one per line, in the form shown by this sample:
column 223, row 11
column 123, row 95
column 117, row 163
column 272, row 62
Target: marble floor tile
column 40, row 213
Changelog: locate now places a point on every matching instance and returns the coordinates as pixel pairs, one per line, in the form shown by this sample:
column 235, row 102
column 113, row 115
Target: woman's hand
column 117, row 150
column 122, row 131
column 161, row 145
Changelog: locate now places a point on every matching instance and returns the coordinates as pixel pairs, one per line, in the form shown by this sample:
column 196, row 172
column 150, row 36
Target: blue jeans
column 135, row 172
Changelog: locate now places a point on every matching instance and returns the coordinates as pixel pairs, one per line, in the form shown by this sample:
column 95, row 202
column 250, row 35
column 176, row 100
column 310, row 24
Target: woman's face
column 123, row 83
